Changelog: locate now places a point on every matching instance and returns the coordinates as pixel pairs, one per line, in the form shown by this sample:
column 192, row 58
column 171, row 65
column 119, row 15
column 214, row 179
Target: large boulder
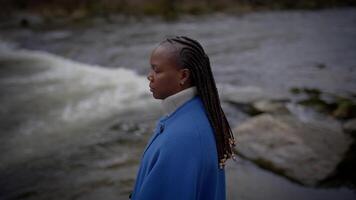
column 305, row 152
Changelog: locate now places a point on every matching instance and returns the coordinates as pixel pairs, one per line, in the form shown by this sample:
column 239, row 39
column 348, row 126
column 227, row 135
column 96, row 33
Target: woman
column 185, row 158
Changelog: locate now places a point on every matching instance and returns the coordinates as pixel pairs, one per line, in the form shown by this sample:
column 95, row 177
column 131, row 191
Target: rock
column 350, row 127
column 321, row 65
column 346, row 109
column 304, row 152
column 247, row 94
column 29, row 20
column 339, row 106
column 253, row 100
column 270, row 106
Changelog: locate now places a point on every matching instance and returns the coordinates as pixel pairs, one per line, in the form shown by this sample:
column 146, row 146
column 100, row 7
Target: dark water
column 272, row 50
column 74, row 126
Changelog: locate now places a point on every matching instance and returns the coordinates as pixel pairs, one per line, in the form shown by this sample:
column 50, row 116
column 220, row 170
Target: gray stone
column 247, row 94
column 304, row 152
column 270, row 106
column 350, row 127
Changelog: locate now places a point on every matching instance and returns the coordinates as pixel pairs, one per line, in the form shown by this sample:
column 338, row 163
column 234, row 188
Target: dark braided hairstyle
column 191, row 55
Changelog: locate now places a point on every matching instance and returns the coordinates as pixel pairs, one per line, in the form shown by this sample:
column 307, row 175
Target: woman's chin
column 156, row 96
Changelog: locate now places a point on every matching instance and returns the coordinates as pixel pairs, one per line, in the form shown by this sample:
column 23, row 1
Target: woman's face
column 165, row 75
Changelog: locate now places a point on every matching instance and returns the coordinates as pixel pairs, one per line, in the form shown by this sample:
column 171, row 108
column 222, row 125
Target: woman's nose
column 149, row 77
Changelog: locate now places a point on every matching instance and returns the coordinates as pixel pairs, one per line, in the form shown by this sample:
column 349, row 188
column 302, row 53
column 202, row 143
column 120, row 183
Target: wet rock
column 246, row 108
column 346, row 109
column 253, row 100
column 304, row 152
column 340, row 107
column 320, row 66
column 29, row 20
column 270, row 106
column 247, row 94
column 314, row 92
column 350, row 127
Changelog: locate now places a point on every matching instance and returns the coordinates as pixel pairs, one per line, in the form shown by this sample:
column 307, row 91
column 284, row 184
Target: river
column 76, row 111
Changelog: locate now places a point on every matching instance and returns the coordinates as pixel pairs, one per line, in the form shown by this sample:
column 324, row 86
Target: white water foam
column 51, row 101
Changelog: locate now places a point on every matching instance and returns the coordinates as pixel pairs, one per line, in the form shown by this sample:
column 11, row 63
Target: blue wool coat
column 180, row 161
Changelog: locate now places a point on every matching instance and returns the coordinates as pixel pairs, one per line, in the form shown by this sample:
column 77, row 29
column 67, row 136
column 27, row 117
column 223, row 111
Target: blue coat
column 180, row 160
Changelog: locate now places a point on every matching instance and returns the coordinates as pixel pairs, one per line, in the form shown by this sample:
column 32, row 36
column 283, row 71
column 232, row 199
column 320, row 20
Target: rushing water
column 71, row 130
column 272, row 50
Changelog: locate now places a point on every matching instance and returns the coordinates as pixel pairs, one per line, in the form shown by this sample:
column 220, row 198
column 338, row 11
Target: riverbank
column 80, row 10
column 311, row 144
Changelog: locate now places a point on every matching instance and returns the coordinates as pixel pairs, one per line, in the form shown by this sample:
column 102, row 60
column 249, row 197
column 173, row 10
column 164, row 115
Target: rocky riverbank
column 308, row 149
column 33, row 12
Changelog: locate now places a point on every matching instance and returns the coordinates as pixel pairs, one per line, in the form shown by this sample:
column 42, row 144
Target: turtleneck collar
column 171, row 103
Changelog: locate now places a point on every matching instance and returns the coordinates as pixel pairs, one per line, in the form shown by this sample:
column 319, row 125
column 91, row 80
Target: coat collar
column 171, row 103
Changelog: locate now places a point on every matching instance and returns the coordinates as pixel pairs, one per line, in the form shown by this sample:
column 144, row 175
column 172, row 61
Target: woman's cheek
column 160, row 76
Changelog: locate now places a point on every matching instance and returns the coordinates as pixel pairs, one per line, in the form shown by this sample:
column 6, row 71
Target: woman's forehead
column 164, row 53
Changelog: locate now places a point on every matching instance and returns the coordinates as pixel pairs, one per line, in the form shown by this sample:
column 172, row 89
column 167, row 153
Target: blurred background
column 76, row 111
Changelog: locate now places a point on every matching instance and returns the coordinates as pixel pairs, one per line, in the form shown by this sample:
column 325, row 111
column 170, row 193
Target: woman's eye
column 154, row 70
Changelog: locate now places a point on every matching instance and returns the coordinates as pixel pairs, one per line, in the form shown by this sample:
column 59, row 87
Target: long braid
column 192, row 56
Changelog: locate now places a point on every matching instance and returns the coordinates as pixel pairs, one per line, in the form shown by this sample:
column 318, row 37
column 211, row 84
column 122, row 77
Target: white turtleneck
column 171, row 103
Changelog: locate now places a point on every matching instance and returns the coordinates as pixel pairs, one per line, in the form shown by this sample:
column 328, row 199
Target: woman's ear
column 185, row 76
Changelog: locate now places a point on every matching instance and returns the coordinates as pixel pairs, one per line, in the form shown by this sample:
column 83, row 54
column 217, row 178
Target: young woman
column 185, row 158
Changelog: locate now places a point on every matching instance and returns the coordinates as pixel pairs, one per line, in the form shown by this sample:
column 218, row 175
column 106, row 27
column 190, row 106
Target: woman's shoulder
column 189, row 130
column 190, row 116
column 193, row 108
column 190, row 122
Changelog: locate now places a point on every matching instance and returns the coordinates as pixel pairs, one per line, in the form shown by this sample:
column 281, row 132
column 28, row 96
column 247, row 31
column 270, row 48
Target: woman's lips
column 151, row 88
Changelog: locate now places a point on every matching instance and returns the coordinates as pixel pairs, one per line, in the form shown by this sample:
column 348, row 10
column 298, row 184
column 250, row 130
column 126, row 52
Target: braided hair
column 191, row 55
